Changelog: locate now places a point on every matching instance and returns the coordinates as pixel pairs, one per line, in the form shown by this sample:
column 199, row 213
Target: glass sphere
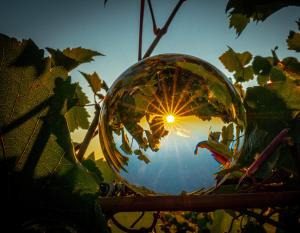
column 169, row 123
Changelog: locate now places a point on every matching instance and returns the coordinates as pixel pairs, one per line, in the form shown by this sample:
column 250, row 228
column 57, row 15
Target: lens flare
column 170, row 118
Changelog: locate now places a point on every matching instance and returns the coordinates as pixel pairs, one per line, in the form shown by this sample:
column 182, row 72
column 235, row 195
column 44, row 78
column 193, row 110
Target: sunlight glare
column 170, row 118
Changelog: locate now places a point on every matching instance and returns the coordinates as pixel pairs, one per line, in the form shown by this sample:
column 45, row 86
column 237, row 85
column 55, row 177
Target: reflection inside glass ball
column 169, row 123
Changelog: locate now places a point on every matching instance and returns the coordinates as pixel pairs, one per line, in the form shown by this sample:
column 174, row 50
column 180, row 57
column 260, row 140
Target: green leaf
column 77, row 116
column 277, row 75
column 59, row 59
column 262, row 79
column 91, row 165
column 244, row 75
column 36, row 146
column 261, row 65
column 227, row 134
column 71, row 58
column 234, row 61
column 142, row 156
column 81, row 55
column 238, row 22
column 125, row 143
column 293, row 41
column 107, row 173
column 93, row 80
column 291, row 65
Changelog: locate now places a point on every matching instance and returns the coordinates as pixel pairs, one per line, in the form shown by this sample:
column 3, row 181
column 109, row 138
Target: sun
column 170, row 118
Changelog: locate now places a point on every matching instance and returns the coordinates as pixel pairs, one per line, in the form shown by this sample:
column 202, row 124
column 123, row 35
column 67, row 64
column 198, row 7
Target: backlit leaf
column 238, row 22
column 234, row 61
column 125, row 143
column 93, row 80
column 81, row 55
column 142, row 156
column 227, row 134
column 77, row 116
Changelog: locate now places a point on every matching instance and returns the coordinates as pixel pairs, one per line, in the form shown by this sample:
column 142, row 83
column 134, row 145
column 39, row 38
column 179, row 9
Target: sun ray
column 181, row 97
column 166, row 97
column 174, row 90
column 186, row 104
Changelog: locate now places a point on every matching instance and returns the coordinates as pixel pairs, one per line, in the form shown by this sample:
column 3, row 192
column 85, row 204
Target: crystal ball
column 170, row 123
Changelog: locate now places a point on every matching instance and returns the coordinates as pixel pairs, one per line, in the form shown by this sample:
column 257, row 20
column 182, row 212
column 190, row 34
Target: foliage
column 39, row 108
column 242, row 12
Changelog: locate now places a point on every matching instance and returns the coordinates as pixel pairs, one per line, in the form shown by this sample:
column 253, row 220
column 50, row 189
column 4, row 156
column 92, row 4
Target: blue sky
column 200, row 29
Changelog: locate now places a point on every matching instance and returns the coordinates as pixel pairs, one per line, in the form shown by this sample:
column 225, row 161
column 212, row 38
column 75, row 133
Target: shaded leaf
column 227, row 134
column 142, row 156
column 238, row 22
column 60, row 59
column 277, row 75
column 93, row 80
column 77, row 116
column 91, row 165
column 125, row 143
column 293, row 41
column 291, row 65
column 36, row 139
column 262, row 79
column 261, row 65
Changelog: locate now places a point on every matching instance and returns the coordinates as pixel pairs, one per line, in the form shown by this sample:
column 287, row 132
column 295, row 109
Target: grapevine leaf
column 291, row 65
column 262, row 79
column 59, row 59
column 153, row 142
column 77, row 116
column 142, row 156
column 277, row 75
column 104, row 86
column 93, row 80
column 258, row 10
column 293, row 41
column 81, row 55
column 234, row 61
column 261, row 65
column 238, row 22
column 36, row 144
column 125, row 143
column 244, row 75
column 107, row 173
column 91, row 165
column 227, row 134
column 289, row 91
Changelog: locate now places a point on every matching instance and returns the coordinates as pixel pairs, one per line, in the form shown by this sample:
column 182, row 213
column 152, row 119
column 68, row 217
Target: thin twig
column 163, row 30
column 89, row 135
column 155, row 29
column 141, row 29
column 137, row 220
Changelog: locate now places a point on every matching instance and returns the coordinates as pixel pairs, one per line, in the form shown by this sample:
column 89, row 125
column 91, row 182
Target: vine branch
column 142, row 9
column 203, row 203
column 89, row 135
column 163, row 30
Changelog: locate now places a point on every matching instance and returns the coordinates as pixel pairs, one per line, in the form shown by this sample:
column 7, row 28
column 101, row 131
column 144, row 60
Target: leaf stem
column 89, row 135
